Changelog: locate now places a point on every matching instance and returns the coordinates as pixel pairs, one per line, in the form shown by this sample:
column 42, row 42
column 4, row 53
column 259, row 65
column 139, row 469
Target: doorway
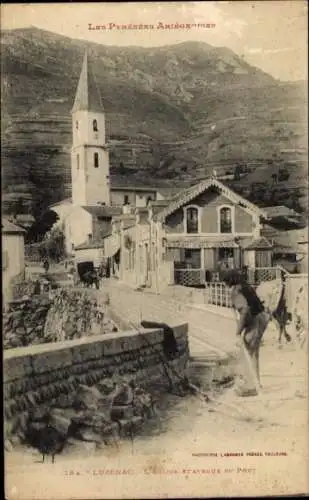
column 192, row 258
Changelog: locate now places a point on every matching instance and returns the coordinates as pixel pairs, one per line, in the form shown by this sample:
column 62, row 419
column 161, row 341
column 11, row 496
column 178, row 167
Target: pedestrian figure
column 281, row 314
column 46, row 265
column 252, row 323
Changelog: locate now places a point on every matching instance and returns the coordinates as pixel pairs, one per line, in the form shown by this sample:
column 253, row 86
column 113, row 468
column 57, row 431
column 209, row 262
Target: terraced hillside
column 172, row 112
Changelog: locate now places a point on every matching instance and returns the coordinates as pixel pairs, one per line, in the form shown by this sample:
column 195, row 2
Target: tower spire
column 87, row 96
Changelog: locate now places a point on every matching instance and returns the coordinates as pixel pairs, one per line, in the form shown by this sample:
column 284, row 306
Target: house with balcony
column 189, row 238
column 208, row 228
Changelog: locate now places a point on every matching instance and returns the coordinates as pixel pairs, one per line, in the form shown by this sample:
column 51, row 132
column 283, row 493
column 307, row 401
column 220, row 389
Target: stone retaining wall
column 38, row 375
column 66, row 315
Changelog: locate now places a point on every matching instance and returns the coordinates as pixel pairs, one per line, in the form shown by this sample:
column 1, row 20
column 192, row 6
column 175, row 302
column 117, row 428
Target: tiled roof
column 280, row 211
column 10, row 228
column 259, row 244
column 91, row 244
column 102, row 210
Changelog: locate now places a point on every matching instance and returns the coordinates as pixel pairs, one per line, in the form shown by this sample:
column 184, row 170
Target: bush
column 53, row 246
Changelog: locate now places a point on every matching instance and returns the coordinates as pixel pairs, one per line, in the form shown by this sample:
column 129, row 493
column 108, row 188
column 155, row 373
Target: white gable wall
column 78, row 225
column 62, row 210
column 94, row 255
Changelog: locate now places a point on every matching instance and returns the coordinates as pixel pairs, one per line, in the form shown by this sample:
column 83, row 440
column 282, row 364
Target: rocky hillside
column 172, row 112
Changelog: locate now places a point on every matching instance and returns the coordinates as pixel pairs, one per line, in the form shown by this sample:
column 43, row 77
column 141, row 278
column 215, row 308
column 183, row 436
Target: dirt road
column 193, row 448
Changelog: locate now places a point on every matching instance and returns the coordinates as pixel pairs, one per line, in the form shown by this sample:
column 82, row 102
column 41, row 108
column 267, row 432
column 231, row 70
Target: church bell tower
column 89, row 156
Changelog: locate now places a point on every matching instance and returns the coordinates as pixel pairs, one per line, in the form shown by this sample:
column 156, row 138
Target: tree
column 42, row 225
column 53, row 245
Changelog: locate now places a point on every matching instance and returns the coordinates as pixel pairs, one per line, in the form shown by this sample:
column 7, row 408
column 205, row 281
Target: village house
column 190, row 237
column 13, row 257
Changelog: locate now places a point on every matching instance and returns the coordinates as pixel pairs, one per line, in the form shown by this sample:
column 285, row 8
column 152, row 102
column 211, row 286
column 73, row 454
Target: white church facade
column 87, row 215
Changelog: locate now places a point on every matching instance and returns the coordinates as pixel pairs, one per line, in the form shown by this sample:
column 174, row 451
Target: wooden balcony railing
column 259, row 274
column 189, row 277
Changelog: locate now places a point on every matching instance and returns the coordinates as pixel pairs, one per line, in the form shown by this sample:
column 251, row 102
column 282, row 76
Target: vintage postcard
column 155, row 249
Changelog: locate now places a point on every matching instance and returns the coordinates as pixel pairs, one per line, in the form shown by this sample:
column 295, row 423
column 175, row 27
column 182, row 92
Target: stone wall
column 24, row 322
column 47, row 374
column 76, row 313
column 66, row 314
column 21, row 288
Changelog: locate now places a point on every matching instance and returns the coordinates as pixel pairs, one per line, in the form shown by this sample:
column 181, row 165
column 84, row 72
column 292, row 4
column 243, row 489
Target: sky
column 271, row 35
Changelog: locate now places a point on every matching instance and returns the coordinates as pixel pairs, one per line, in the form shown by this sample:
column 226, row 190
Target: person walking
column 251, row 325
column 46, row 265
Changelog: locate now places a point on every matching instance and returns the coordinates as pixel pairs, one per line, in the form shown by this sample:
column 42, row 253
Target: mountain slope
column 172, row 112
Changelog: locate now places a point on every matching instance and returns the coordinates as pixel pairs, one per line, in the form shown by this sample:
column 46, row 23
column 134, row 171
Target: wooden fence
column 32, row 253
column 259, row 274
column 218, row 294
column 255, row 276
column 189, row 277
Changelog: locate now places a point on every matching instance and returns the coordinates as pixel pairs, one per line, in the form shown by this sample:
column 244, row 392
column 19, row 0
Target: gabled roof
column 259, row 244
column 10, row 228
column 102, row 211
column 87, row 96
column 189, row 194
